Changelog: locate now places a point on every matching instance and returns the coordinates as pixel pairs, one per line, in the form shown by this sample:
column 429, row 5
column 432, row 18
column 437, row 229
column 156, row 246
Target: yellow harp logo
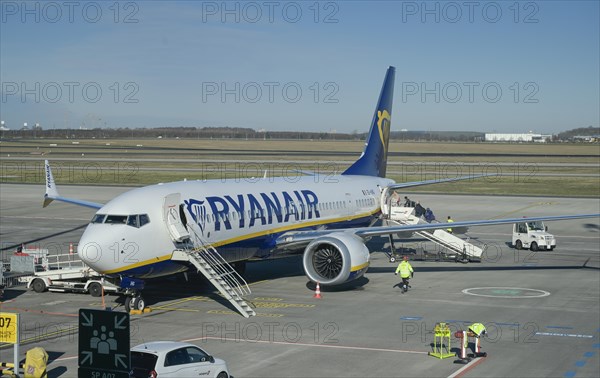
column 383, row 124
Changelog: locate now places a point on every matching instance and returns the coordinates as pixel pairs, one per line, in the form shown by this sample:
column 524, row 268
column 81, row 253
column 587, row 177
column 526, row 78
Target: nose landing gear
column 135, row 303
column 133, row 296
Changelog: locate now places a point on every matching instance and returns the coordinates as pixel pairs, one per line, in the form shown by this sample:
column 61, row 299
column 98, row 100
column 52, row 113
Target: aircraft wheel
column 534, row 246
column 139, row 303
column 392, row 259
column 128, row 303
column 518, row 245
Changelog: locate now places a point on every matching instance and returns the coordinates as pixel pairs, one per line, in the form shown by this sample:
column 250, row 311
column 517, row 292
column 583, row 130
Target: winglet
column 51, row 191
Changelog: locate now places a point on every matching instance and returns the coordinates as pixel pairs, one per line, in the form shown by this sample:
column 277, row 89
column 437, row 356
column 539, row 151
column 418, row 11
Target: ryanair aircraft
column 136, row 235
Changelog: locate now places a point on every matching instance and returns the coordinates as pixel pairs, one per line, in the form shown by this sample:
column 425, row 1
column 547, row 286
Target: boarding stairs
column 400, row 215
column 213, row 266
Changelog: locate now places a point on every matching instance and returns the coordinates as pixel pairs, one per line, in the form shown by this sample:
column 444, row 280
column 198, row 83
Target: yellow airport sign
column 9, row 326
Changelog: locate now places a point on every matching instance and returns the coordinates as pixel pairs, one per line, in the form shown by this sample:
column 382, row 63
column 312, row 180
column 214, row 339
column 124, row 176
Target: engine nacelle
column 336, row 258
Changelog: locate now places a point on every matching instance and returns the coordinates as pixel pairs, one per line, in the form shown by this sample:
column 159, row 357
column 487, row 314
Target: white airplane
column 133, row 237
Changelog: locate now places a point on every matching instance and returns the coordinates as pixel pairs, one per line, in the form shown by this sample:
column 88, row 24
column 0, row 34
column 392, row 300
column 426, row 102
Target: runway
column 541, row 309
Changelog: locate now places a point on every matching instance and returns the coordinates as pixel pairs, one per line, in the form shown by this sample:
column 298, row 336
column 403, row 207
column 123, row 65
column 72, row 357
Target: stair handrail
column 223, row 269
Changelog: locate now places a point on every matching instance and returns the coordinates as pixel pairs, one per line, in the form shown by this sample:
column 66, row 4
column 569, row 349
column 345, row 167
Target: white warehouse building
column 516, row 137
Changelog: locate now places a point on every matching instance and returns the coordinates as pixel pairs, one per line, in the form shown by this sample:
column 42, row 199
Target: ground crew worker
column 449, row 229
column 477, row 330
column 406, row 271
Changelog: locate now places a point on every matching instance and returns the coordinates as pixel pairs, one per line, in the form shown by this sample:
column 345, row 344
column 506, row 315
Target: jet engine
column 336, row 258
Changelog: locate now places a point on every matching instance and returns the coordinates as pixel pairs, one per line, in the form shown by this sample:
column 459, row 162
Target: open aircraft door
column 172, row 218
column 385, row 200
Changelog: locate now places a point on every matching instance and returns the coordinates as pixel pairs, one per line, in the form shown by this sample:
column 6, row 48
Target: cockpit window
column 138, row 220
column 116, row 219
column 98, row 218
column 133, row 221
column 144, row 219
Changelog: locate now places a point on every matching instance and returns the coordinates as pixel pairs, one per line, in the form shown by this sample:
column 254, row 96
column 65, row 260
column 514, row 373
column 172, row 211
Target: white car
column 160, row 359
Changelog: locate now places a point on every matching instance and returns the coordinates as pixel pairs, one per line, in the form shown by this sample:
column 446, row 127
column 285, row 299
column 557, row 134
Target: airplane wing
column 434, row 181
column 52, row 192
column 298, row 239
column 386, row 230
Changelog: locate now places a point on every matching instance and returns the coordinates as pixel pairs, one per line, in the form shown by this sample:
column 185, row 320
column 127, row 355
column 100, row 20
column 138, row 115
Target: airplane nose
column 92, row 249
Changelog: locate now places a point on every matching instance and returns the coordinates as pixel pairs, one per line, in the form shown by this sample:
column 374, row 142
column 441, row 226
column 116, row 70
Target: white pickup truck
column 532, row 235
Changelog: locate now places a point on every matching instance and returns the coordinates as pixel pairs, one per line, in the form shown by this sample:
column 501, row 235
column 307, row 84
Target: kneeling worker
column 477, row 330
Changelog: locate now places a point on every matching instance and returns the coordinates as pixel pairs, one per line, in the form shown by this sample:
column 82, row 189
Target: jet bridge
column 395, row 214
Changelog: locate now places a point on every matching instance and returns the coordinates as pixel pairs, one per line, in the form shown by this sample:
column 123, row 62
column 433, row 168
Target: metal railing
column 221, row 267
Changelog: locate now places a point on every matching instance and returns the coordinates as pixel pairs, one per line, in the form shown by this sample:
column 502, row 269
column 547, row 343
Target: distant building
column 586, row 138
column 517, row 137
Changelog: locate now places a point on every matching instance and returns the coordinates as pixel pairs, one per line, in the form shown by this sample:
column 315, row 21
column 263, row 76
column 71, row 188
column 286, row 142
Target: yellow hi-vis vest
column 405, row 269
column 449, row 229
column 477, row 329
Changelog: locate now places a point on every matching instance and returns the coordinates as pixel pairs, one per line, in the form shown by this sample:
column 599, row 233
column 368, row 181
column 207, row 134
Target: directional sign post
column 103, row 344
column 9, row 333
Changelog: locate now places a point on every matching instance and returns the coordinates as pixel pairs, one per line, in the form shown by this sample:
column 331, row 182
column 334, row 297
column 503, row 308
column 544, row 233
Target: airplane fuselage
column 136, row 233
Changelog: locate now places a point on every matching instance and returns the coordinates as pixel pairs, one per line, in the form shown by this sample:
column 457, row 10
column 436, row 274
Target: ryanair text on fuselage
column 253, row 209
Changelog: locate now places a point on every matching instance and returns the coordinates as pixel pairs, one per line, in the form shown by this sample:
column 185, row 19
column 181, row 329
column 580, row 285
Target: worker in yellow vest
column 406, row 271
column 450, row 220
column 477, row 330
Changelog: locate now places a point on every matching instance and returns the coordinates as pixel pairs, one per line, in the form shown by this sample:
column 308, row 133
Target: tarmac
column 541, row 309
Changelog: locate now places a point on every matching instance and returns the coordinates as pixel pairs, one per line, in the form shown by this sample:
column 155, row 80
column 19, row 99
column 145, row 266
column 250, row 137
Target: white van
column 532, row 235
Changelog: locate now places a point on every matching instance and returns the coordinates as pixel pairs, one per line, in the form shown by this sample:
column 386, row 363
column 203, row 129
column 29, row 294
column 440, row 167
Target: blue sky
column 488, row 66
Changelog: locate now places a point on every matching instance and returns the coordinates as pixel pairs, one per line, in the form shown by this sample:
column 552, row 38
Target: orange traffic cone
column 317, row 292
column 70, row 248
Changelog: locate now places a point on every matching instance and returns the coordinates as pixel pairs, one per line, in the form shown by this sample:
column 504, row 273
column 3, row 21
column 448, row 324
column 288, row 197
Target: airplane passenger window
column 98, row 218
column 144, row 219
column 116, row 219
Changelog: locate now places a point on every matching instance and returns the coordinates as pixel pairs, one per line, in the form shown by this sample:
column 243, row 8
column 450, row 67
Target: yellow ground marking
column 229, row 312
column 269, row 299
column 282, row 305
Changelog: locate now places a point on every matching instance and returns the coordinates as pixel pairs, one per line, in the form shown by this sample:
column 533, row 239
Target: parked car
column 161, row 359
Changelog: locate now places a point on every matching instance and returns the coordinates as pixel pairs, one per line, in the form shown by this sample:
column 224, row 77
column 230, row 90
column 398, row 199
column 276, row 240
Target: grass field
column 525, row 169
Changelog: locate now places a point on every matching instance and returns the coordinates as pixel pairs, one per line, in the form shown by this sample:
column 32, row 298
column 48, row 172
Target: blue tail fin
column 373, row 161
